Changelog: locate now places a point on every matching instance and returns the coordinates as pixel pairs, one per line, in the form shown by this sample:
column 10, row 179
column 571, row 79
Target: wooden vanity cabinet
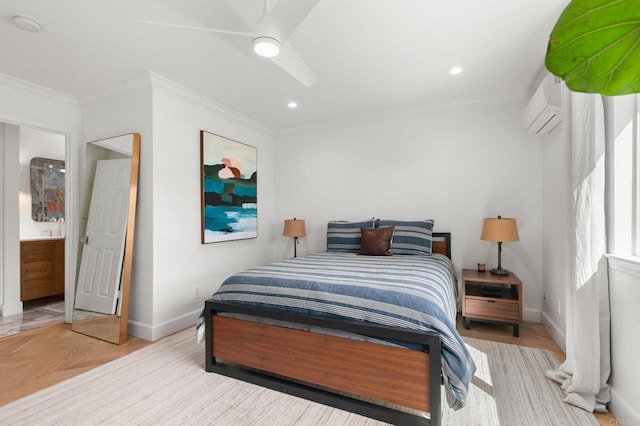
column 41, row 268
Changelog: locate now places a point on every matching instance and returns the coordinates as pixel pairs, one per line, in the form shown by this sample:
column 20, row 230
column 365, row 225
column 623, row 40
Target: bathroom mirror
column 107, row 223
column 46, row 178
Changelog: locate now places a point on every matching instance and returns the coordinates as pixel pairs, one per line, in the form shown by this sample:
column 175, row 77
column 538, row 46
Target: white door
column 101, row 264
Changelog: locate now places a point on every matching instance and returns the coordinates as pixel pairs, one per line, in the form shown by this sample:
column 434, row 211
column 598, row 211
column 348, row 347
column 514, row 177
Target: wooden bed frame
column 327, row 369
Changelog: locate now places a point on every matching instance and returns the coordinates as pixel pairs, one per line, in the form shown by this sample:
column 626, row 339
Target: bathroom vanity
column 41, row 268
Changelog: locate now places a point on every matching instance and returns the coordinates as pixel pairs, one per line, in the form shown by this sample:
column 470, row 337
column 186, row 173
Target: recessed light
column 455, row 70
column 26, row 23
column 292, row 105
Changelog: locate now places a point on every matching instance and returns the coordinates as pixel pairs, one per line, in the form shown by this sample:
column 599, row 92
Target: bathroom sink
column 43, row 237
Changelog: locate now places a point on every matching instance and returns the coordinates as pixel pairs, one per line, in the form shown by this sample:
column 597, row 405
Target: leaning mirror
column 108, row 206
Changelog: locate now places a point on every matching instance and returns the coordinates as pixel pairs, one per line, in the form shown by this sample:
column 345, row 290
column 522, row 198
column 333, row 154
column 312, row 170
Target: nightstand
column 489, row 297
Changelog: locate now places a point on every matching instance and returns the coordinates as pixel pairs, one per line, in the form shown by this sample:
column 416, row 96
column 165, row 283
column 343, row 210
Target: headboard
column 441, row 243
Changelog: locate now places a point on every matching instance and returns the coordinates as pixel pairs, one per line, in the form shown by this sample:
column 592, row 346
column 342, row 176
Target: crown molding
column 495, row 99
column 9, row 81
column 151, row 80
column 162, row 82
column 137, row 83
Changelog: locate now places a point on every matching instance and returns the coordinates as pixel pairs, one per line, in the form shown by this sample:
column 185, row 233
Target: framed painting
column 229, row 189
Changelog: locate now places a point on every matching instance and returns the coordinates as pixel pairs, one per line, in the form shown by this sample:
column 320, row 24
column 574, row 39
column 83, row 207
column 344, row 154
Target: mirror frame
column 102, row 327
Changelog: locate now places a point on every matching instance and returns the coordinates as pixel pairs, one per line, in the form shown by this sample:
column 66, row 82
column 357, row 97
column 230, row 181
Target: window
column 626, row 175
column 636, row 179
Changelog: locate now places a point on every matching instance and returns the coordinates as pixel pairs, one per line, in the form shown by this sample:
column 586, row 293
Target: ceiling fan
column 270, row 35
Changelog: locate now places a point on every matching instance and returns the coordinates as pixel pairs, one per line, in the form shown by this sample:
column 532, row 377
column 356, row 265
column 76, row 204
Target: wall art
column 229, row 189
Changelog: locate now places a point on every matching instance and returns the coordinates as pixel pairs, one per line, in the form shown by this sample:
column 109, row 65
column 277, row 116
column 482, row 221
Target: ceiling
column 370, row 56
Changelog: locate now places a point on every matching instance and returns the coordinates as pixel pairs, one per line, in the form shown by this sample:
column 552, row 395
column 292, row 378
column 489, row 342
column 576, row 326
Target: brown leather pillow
column 376, row 242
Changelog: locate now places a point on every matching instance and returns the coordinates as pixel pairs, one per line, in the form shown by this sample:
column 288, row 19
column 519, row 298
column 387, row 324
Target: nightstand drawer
column 492, row 309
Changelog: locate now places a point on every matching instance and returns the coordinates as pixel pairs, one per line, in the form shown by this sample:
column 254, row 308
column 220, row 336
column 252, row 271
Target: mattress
column 416, row 292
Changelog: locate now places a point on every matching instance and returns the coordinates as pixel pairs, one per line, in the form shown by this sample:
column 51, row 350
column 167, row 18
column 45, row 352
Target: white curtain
column 585, row 372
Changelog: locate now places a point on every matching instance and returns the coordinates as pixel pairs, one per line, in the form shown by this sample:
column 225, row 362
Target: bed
column 357, row 352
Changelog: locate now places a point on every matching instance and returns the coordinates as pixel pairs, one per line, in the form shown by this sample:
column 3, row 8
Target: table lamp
column 499, row 230
column 294, row 228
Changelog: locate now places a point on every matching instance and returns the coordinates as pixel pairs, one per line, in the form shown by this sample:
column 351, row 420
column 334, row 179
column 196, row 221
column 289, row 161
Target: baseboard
column 140, row 330
column 11, row 308
column 531, row 315
column 155, row 332
column 557, row 334
column 622, row 410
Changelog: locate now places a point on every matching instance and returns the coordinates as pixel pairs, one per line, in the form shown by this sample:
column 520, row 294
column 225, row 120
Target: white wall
column 624, row 270
column 624, row 293
column 181, row 262
column 10, row 251
column 169, row 260
column 125, row 110
column 25, row 104
column 557, row 256
column 456, row 166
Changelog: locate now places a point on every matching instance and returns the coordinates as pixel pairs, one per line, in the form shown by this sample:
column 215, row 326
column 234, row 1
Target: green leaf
column 595, row 47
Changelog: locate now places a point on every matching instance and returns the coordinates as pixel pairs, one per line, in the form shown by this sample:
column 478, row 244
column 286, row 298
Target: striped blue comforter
column 415, row 292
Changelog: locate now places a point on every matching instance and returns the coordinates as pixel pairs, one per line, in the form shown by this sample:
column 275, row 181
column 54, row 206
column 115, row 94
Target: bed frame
column 335, row 371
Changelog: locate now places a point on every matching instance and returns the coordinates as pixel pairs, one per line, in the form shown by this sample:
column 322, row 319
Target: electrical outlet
column 196, row 292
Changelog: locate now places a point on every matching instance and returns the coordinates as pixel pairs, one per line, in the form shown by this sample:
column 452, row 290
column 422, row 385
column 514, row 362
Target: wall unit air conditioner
column 544, row 111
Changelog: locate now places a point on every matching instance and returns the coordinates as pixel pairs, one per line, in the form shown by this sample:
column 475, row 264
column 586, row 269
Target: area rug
column 165, row 383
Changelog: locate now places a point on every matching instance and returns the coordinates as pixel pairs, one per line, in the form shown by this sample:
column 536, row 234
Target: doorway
column 35, row 284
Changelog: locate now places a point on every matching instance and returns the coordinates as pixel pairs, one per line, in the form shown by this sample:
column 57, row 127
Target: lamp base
column 497, row 271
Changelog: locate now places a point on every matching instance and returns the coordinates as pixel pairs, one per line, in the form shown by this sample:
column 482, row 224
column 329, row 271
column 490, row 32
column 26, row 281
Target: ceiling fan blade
column 291, row 62
column 287, row 15
column 188, row 27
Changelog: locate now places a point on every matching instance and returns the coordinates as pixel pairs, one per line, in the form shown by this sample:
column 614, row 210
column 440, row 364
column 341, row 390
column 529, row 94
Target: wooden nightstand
column 489, row 297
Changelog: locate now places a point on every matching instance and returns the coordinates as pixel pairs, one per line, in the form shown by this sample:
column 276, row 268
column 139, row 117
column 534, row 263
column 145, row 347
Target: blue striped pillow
column 345, row 236
column 410, row 236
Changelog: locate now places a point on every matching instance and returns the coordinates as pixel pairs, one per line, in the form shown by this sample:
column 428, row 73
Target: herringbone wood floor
column 40, row 358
